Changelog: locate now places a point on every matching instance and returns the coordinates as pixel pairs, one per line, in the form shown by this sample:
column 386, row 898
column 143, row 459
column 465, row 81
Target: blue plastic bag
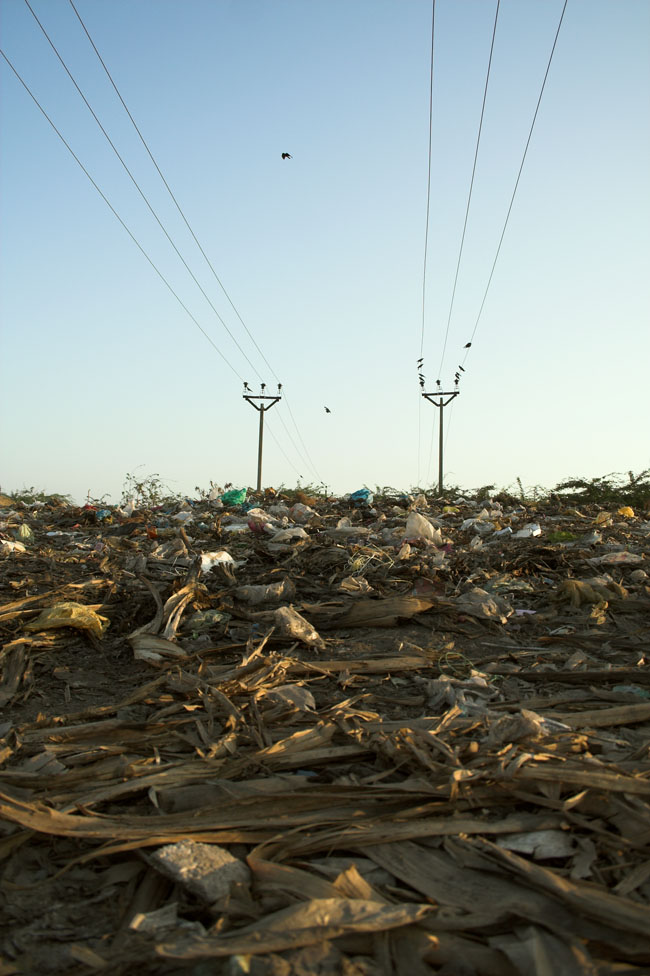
column 362, row 498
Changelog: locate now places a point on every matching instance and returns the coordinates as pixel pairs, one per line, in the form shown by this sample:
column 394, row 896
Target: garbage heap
column 278, row 734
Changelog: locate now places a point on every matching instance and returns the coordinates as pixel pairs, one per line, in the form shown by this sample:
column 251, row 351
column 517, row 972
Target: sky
column 321, row 258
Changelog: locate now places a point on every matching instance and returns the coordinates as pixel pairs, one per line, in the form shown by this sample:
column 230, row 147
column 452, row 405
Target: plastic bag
column 210, row 559
column 295, row 696
column 419, row 527
column 300, row 512
column 362, row 498
column 70, row 615
column 479, row 603
column 266, row 593
column 618, row 559
column 7, row 546
column 237, row 496
column 289, row 623
column 203, row 620
column 183, row 517
column 529, row 531
column 128, row 508
column 288, row 535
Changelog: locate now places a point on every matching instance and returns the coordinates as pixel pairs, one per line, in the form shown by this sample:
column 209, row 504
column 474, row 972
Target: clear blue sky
column 103, row 373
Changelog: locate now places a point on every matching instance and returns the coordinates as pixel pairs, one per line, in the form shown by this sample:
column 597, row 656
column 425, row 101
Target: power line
column 548, row 66
column 141, row 249
column 169, row 190
column 310, row 462
column 469, row 344
column 114, row 211
column 471, row 187
column 140, row 191
column 514, row 192
column 279, row 447
column 462, row 242
column 426, row 230
column 306, row 460
column 426, row 227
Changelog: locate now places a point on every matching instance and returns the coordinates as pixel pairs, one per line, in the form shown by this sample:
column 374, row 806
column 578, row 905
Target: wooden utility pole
column 438, row 400
column 262, row 402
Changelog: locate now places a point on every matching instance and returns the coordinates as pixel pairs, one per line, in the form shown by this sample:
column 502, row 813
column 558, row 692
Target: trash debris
column 362, row 498
column 625, row 510
column 590, row 591
column 211, row 559
column 355, row 584
column 235, row 497
column 266, row 593
column 618, row 559
column 155, row 650
column 24, row 533
column 480, row 603
column 542, row 845
column 324, row 734
column 70, row 615
column 289, row 535
column 206, row 870
column 6, row 545
column 289, row 623
column 300, row 512
column 296, row 696
column 529, row 531
column 419, row 527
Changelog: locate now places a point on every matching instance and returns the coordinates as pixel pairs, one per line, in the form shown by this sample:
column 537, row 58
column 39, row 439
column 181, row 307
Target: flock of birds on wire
column 422, row 378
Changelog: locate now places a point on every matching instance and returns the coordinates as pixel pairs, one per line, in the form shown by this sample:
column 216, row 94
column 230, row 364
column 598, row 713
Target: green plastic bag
column 235, row 497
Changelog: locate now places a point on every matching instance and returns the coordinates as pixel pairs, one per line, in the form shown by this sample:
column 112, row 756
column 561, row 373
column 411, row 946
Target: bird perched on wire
column 246, row 386
column 287, row 156
column 467, row 345
column 327, row 410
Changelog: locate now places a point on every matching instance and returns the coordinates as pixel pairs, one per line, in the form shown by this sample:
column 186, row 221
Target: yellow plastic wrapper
column 70, row 615
column 626, row 511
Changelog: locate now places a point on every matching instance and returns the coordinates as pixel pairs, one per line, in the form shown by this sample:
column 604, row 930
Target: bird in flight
column 287, row 156
column 327, row 410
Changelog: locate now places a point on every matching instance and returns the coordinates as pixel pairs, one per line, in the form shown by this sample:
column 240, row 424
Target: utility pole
column 262, row 402
column 438, row 400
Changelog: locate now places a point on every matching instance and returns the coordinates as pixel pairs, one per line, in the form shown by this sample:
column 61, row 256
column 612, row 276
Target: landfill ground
column 309, row 735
